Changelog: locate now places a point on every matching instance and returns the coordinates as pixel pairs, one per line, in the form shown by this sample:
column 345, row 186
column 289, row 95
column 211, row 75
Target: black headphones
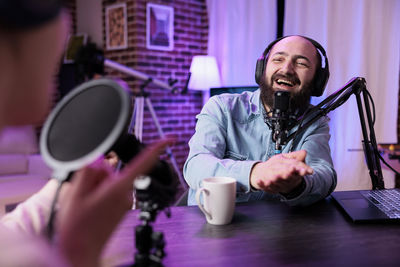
column 321, row 75
column 26, row 14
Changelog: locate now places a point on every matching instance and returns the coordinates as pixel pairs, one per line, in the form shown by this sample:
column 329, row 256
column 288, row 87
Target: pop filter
column 84, row 125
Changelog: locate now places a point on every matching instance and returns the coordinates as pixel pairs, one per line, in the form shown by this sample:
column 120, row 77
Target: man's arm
column 207, row 155
column 322, row 181
column 31, row 216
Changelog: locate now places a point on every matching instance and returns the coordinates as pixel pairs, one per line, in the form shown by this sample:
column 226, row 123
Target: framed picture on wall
column 116, row 27
column 159, row 27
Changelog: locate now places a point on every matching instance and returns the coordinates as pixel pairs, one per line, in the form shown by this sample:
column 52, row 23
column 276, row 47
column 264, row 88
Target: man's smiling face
column 291, row 66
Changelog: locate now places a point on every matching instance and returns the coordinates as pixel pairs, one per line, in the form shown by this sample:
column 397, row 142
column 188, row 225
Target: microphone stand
column 140, row 75
column 279, row 119
column 356, row 86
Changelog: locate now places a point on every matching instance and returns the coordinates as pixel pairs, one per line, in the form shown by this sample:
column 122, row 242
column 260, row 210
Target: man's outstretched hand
column 281, row 173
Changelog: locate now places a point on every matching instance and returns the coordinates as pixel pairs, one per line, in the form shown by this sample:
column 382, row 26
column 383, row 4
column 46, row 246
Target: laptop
column 370, row 205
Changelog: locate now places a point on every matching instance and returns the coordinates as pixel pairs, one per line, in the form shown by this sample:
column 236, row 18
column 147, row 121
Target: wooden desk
column 266, row 234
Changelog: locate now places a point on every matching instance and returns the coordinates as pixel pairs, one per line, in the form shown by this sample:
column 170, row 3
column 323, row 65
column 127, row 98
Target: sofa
column 22, row 169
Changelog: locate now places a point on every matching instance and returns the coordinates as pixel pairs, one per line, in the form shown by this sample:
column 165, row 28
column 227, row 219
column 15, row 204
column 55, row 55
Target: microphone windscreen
column 281, row 101
column 127, row 147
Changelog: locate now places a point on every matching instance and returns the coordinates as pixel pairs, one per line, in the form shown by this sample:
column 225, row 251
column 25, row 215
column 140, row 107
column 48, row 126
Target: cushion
column 18, row 140
column 13, row 164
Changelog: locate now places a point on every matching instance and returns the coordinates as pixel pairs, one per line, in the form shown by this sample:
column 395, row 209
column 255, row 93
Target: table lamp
column 204, row 75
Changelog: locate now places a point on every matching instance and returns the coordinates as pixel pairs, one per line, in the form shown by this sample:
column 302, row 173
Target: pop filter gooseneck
column 84, row 126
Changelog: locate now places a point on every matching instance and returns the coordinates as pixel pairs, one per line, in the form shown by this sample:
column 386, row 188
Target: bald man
column 232, row 138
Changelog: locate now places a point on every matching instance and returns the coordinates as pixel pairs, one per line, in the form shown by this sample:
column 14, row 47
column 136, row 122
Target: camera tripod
column 149, row 244
column 142, row 98
column 136, row 123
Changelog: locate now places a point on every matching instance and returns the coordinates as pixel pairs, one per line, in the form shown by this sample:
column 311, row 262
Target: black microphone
column 160, row 190
column 280, row 119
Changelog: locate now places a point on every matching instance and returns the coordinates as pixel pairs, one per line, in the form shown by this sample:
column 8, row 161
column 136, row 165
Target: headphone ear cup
column 261, row 62
column 320, row 83
column 259, row 69
column 323, row 72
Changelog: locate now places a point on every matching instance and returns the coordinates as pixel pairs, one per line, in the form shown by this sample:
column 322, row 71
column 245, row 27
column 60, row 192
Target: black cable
column 387, row 164
column 373, row 106
column 53, row 211
column 373, row 123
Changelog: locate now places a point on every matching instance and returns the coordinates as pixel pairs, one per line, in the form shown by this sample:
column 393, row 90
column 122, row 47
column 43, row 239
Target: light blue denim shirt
column 231, row 136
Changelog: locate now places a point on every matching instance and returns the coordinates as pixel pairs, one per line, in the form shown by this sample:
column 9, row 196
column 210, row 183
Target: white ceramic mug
column 219, row 195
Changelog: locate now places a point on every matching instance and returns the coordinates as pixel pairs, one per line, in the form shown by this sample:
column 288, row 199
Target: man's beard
column 299, row 101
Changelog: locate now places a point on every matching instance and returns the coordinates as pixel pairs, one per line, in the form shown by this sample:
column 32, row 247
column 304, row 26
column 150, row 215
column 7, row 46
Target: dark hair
column 27, row 14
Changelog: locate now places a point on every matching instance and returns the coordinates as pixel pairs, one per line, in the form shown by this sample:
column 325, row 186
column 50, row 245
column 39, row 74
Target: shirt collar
column 256, row 103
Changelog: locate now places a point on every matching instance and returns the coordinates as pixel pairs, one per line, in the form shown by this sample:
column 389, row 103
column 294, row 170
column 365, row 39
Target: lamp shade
column 204, row 73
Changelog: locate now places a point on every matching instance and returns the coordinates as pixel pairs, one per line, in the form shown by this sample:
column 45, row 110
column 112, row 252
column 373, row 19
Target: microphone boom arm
column 356, row 86
column 326, row 106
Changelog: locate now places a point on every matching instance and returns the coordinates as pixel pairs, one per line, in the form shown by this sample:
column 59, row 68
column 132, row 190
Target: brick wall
column 175, row 112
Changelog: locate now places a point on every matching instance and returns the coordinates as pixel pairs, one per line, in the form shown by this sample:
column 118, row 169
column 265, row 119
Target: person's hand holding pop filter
column 98, row 199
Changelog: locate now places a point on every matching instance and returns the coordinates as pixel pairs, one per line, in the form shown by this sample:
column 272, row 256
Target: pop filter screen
column 65, row 142
column 85, row 125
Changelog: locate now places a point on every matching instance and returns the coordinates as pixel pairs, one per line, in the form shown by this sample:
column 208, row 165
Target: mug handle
column 201, row 207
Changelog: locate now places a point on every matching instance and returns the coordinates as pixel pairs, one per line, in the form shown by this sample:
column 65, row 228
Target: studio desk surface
column 264, row 234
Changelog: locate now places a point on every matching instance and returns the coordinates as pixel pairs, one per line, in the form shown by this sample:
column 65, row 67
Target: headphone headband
column 321, row 75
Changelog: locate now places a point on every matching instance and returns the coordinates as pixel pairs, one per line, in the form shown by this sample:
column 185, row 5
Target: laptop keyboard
column 387, row 200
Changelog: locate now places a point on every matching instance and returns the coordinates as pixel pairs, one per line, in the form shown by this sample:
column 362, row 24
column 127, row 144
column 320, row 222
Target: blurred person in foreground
column 32, row 36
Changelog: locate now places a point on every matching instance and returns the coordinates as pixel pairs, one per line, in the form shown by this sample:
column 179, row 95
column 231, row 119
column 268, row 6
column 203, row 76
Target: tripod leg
column 132, row 124
column 133, row 118
column 168, row 149
column 139, row 106
column 144, row 244
column 136, row 124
